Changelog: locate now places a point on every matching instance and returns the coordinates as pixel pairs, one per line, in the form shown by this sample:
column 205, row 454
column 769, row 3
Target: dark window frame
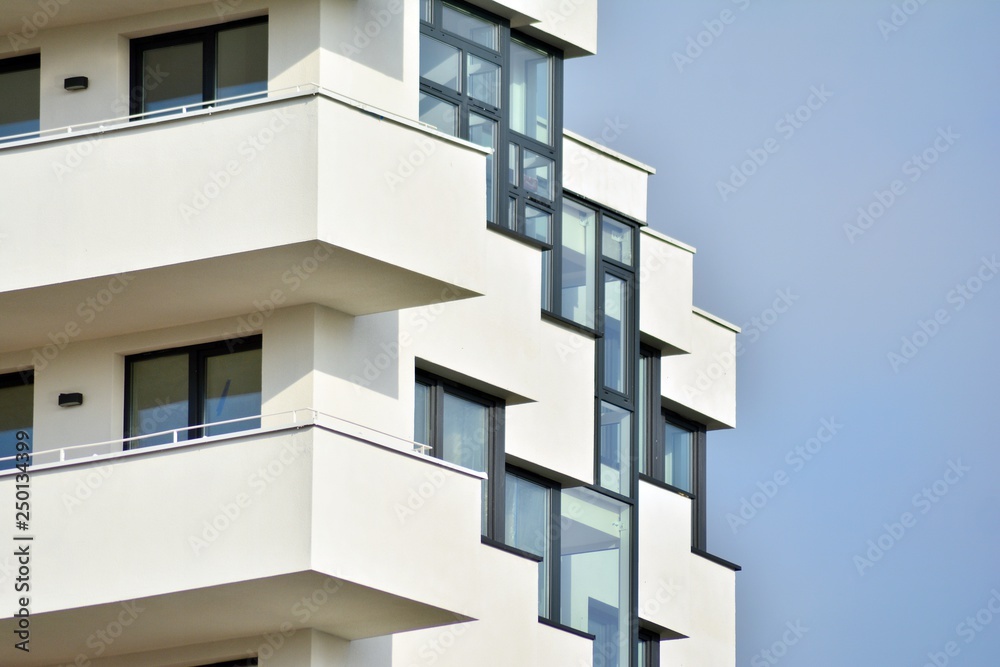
column 25, row 63
column 242, row 662
column 206, row 35
column 656, row 416
column 602, row 264
column 503, row 189
column 495, row 439
column 651, row 640
column 197, row 356
column 25, row 378
column 554, row 491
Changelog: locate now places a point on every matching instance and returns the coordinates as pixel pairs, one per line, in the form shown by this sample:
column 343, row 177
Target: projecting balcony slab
column 309, row 198
column 170, row 528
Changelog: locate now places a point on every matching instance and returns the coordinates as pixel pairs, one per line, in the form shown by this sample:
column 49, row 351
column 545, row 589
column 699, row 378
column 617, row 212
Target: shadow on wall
column 368, row 32
column 368, row 354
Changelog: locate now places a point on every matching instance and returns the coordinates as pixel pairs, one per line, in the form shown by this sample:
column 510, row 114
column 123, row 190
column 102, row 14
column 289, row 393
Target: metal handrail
column 168, row 113
column 312, row 418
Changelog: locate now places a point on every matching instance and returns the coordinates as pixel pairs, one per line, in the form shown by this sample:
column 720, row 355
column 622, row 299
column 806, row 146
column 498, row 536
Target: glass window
column 20, row 92
column 578, row 259
column 616, row 333
column 530, row 92
column 464, row 24
column 616, row 449
column 181, row 81
column 232, row 391
column 158, row 398
column 616, row 241
column 425, row 10
column 527, row 527
column 191, row 67
column 463, row 432
column 594, row 572
column 458, row 425
column 643, row 413
column 538, row 174
column 17, row 404
column 442, row 115
column 514, row 165
column 483, row 80
column 547, row 280
column 678, row 445
column 537, row 223
column 241, row 57
column 422, row 417
column 194, row 386
column 483, row 131
column 440, row 63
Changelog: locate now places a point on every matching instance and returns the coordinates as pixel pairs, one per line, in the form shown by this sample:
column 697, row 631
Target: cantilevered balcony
column 302, row 197
column 352, row 521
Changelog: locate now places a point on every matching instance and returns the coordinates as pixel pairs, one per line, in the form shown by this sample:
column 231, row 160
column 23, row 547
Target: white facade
column 328, row 219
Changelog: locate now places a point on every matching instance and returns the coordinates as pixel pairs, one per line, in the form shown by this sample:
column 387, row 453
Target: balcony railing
column 205, row 108
column 280, row 421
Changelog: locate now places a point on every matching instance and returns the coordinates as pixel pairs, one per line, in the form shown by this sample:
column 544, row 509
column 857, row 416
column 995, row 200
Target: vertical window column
column 464, row 427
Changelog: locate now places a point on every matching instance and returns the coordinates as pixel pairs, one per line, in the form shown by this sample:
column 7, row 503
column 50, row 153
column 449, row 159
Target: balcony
column 167, row 529
column 302, row 197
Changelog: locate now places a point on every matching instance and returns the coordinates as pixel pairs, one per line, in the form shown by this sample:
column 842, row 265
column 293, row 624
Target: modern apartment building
column 322, row 342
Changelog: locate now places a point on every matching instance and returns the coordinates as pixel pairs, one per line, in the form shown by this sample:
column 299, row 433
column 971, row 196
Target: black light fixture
column 76, row 83
column 70, row 400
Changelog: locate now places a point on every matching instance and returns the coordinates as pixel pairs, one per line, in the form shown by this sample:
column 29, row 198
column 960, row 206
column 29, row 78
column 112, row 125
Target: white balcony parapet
column 279, row 421
column 221, row 105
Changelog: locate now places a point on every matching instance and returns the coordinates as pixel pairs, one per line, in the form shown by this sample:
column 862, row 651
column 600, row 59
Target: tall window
column 590, row 271
column 595, row 576
column 500, row 91
column 193, row 386
column 529, row 506
column 16, row 413
column 671, row 449
column 20, row 92
column 464, row 427
column 192, row 67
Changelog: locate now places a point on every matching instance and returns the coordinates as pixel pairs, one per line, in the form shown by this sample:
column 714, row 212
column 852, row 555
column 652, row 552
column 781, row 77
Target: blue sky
column 891, row 331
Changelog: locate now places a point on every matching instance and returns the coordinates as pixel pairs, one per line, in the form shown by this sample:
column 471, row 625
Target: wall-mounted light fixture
column 70, row 400
column 76, row 83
